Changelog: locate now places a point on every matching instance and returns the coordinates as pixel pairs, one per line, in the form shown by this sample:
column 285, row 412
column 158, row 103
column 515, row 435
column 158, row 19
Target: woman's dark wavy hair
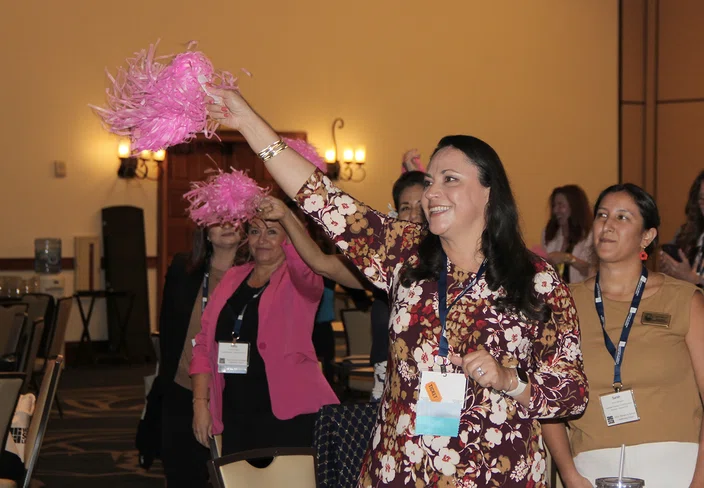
column 694, row 226
column 580, row 220
column 202, row 250
column 406, row 180
column 509, row 263
column 645, row 203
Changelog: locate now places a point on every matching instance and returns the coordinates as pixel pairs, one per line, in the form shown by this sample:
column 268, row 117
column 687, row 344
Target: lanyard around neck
column 204, row 299
column 240, row 317
column 617, row 353
column 443, row 309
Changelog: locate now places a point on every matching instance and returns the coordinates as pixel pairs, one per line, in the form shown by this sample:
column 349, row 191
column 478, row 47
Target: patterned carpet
column 93, row 445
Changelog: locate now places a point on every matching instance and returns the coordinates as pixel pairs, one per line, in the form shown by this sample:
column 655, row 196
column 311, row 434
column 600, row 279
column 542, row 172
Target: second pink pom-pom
column 226, row 197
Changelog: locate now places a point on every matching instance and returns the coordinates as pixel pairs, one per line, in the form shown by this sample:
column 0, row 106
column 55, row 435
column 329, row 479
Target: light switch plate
column 60, row 169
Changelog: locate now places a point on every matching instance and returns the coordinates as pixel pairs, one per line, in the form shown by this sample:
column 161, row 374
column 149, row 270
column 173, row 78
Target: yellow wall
column 537, row 80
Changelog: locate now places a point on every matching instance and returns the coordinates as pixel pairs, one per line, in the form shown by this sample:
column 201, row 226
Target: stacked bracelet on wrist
column 200, row 398
column 272, row 150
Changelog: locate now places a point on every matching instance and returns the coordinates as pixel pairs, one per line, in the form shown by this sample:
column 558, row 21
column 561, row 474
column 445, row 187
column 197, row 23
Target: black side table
column 122, row 320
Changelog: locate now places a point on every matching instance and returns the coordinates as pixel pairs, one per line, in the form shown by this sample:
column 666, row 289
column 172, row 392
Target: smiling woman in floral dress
column 514, row 332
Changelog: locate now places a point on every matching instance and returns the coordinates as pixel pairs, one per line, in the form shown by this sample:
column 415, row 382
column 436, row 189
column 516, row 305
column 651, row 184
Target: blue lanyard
column 240, row 317
column 443, row 309
column 617, row 354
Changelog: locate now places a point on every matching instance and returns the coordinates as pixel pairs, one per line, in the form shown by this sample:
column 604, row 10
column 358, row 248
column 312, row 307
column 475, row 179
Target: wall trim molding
column 27, row 264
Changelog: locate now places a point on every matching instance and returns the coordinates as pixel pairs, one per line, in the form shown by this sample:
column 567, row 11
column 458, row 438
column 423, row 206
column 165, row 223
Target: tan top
column 182, row 377
column 656, row 366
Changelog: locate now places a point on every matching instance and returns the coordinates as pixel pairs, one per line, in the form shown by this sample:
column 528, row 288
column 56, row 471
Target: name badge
column 233, row 358
column 656, row 318
column 619, row 408
column 440, row 403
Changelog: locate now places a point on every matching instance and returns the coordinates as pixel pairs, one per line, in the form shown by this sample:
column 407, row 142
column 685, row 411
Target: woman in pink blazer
column 254, row 370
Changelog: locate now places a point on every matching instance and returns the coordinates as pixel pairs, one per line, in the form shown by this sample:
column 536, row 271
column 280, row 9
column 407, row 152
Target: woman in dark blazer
column 191, row 278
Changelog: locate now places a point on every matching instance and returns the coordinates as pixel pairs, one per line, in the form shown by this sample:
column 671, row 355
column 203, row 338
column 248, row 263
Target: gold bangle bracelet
column 272, row 150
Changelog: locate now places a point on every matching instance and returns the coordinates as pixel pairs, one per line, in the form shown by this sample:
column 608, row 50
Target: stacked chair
column 10, row 387
column 13, row 323
column 40, row 419
column 355, row 371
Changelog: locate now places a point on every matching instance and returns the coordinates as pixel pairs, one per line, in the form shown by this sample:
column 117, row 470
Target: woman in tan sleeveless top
column 657, row 411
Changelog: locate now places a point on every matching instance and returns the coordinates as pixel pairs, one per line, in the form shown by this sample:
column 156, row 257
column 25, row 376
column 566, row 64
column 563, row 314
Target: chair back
column 292, row 467
column 358, row 331
column 40, row 419
column 58, row 334
column 341, row 436
column 41, row 305
column 29, row 354
column 216, row 446
column 12, row 320
column 10, row 386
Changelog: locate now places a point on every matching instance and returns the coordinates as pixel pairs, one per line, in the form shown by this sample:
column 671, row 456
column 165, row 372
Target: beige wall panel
column 679, row 160
column 632, row 50
column 537, row 80
column 632, row 144
column 681, row 49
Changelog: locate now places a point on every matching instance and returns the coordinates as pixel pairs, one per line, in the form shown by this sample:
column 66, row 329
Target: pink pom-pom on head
column 308, row 151
column 227, row 197
column 159, row 105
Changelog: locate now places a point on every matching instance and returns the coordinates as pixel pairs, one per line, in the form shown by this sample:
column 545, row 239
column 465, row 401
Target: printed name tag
column 619, row 408
column 656, row 318
column 440, row 403
column 233, row 358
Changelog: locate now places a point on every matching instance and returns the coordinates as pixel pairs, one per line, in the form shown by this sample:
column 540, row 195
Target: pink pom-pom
column 159, row 105
column 308, row 151
column 231, row 197
column 416, row 165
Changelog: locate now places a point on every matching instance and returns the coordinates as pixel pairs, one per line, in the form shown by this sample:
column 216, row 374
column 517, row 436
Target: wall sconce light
column 137, row 166
column 352, row 166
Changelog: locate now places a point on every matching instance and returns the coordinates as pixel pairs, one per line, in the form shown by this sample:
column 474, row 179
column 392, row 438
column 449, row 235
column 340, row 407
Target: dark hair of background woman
column 694, row 226
column 202, row 249
column 580, row 220
column 645, row 203
column 509, row 263
column 406, row 180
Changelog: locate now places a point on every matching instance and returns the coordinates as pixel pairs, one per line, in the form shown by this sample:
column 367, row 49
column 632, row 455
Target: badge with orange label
column 433, row 392
column 440, row 403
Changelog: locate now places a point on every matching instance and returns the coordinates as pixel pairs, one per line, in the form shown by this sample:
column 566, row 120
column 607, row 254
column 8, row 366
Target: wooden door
column 190, row 162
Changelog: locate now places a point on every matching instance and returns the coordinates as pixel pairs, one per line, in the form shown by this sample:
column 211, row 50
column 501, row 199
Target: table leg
column 85, row 320
column 122, row 323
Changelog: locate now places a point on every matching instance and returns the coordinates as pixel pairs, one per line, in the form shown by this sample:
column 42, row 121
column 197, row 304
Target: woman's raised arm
column 288, row 168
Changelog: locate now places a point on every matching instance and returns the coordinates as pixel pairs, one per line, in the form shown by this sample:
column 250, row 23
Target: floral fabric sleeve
column 559, row 385
column 374, row 242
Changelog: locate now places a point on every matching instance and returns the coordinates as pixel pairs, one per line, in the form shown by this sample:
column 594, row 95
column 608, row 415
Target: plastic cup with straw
column 620, row 482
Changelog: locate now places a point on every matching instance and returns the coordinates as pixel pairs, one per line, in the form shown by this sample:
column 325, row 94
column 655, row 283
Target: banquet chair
column 10, row 386
column 341, row 436
column 40, row 419
column 292, row 467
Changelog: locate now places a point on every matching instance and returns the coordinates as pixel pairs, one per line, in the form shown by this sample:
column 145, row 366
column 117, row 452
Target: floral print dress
column 500, row 441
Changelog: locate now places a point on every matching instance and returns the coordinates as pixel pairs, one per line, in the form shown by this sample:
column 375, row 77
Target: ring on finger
column 480, row 371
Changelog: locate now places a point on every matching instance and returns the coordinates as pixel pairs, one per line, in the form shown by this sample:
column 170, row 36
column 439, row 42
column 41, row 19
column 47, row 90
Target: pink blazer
column 286, row 314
